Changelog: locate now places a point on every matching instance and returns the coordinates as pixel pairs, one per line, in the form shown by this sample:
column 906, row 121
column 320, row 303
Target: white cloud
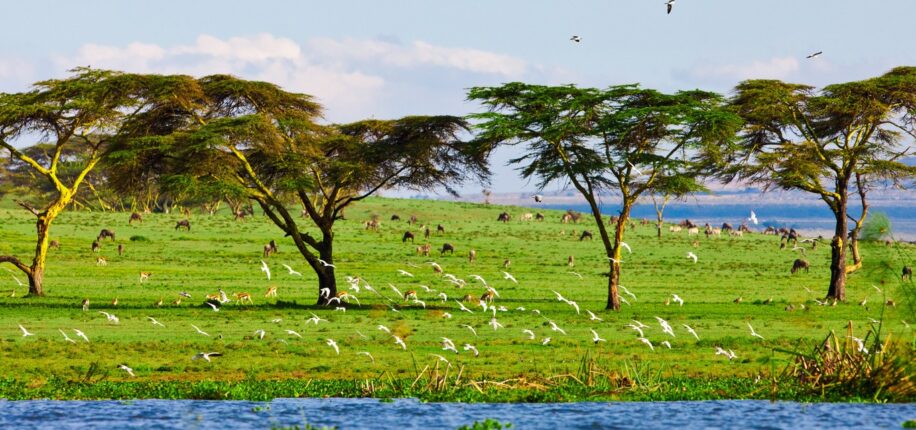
column 353, row 78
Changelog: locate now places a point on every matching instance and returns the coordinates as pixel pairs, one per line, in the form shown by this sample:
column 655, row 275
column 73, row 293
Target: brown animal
column 412, row 220
column 54, row 244
column 134, row 216
column 101, row 261
column 447, row 247
column 424, row 249
column 243, row 297
column 96, row 246
column 106, row 234
column 503, row 217
column 410, row 294
column 539, row 217
column 270, row 249
column 570, row 261
column 120, row 249
column 271, row 292
column 585, row 234
column 472, row 256
column 469, row 298
column 506, row 263
column 373, row 224
column 800, row 264
column 185, row 224
column 488, row 296
column 395, row 217
column 907, row 273
column 426, row 233
column 440, row 229
column 144, row 276
column 407, row 235
column 241, row 214
column 726, row 227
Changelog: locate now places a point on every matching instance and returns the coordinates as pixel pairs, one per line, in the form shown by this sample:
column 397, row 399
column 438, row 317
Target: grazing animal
column 503, row 217
column 726, row 227
column 907, row 273
column 395, row 217
column 144, row 276
column 54, row 244
column 472, row 256
column 373, row 224
column 424, row 249
column 736, row 233
column 506, row 263
column 488, row 296
column 674, row 228
column 243, row 297
column 412, row 220
column 447, row 247
column 800, row 264
column 539, row 217
column 120, row 249
column 770, row 230
column 241, row 214
column 693, row 231
column 101, row 261
column 407, row 235
column 469, row 298
column 585, row 234
column 440, row 229
column 96, row 246
column 271, row 292
column 270, row 249
column 410, row 294
column 527, row 216
column 134, row 216
column 185, row 224
column 106, row 234
column 426, row 233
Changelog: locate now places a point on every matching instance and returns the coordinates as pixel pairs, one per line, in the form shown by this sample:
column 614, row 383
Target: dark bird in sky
column 576, row 39
column 815, row 54
column 670, row 4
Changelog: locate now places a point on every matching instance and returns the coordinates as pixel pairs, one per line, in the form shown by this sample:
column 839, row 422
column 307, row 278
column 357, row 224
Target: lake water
column 810, row 220
column 411, row 414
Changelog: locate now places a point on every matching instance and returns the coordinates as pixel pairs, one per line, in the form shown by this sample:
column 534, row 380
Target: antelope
column 487, row 297
column 185, row 224
column 54, row 244
column 373, row 224
column 585, row 234
column 395, row 217
column 101, row 261
column 674, row 229
column 271, row 292
column 134, row 216
column 907, row 273
column 539, row 217
column 410, row 294
column 570, row 261
column 144, row 276
column 503, row 217
column 472, row 256
column 270, row 249
column 424, row 249
column 693, row 231
column 120, row 249
column 243, row 297
column 469, row 298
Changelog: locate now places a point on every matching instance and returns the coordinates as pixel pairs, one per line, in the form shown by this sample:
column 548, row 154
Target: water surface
column 411, row 414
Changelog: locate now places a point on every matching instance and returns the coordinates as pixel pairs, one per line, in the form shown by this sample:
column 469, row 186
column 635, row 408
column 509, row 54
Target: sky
column 386, row 59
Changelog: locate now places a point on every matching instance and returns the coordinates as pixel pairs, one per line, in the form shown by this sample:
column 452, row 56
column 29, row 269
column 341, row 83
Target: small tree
column 254, row 140
column 817, row 142
column 81, row 114
column 623, row 139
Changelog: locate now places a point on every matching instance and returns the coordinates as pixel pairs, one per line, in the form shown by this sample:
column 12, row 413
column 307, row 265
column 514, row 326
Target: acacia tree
column 623, row 139
column 256, row 141
column 81, row 114
column 798, row 138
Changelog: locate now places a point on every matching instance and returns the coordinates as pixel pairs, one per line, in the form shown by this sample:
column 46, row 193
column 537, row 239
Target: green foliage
column 877, row 227
column 487, row 424
column 138, row 238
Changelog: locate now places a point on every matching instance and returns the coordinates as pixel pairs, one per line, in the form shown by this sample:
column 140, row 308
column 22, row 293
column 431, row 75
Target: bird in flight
column 529, row 333
column 596, row 338
column 405, row 273
column 627, row 246
column 575, row 39
column 127, row 369
column 814, row 55
column 212, row 305
column 203, row 333
column 326, row 264
column 469, row 347
column 753, row 218
column 507, row 275
column 592, row 316
column 555, row 327
column 333, row 344
column 692, row 256
column 400, row 342
column 66, row 338
column 367, row 354
column 293, row 333
column 670, row 4
column 110, row 317
column 646, row 341
column 291, row 271
column 81, row 334
column 754, row 332
column 25, row 333
column 691, row 331
column 637, row 328
column 154, row 321
column 677, row 299
column 471, row 329
column 545, row 341
column 266, row 269
column 537, row 197
column 206, row 356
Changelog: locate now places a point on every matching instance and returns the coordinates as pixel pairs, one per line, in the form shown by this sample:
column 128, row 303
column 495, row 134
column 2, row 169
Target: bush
column 139, row 239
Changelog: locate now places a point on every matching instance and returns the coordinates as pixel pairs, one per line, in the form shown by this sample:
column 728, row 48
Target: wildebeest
column 54, row 244
column 270, row 249
column 503, row 217
column 585, row 234
column 395, row 217
column 426, row 233
column 424, row 249
column 770, row 230
column 539, row 217
column 907, row 273
column 105, row 234
column 412, row 220
column 185, row 224
column 440, row 229
column 407, row 235
column 726, row 227
column 472, row 256
column 96, row 246
column 447, row 247
column 135, row 216
column 800, row 264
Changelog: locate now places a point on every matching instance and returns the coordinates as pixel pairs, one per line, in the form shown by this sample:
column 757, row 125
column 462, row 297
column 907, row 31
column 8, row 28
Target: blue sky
column 391, row 58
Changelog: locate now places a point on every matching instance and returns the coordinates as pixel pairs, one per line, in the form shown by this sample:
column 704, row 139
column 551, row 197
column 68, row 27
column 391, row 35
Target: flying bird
column 333, row 344
column 677, row 299
column 814, row 55
column 646, row 341
column 637, row 328
column 495, row 324
column 293, row 333
column 576, row 39
column 463, row 307
column 507, row 275
column 469, row 347
column 213, row 305
column 66, row 338
column 154, row 321
column 754, row 332
column 545, row 341
column 81, row 334
column 448, row 345
column 399, row 341
column 110, row 317
column 205, row 356
column 326, row 264
column 199, row 330
column 627, row 292
column 260, row 333
column 555, row 327
column 367, row 354
column 384, row 329
column 265, row 269
column 592, row 316
column 25, row 333
column 666, row 328
column 529, row 333
column 627, row 246
column 537, row 197
column 670, row 4
column 691, row 331
column 291, row 271
column 692, row 256
column 596, row 338
column 753, row 218
column 405, row 273
column 127, row 369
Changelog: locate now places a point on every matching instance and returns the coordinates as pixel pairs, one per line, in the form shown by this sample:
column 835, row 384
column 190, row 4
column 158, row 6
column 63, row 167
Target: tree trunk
column 854, row 247
column 326, row 278
column 37, row 272
column 837, row 289
column 613, row 300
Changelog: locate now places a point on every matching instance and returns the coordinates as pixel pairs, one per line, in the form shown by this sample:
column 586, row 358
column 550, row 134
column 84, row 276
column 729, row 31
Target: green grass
column 222, row 253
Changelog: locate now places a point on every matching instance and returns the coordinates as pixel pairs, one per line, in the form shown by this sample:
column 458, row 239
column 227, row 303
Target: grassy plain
column 219, row 252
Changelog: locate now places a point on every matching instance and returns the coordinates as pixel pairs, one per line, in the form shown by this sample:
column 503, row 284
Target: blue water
column 411, row 414
column 812, row 219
